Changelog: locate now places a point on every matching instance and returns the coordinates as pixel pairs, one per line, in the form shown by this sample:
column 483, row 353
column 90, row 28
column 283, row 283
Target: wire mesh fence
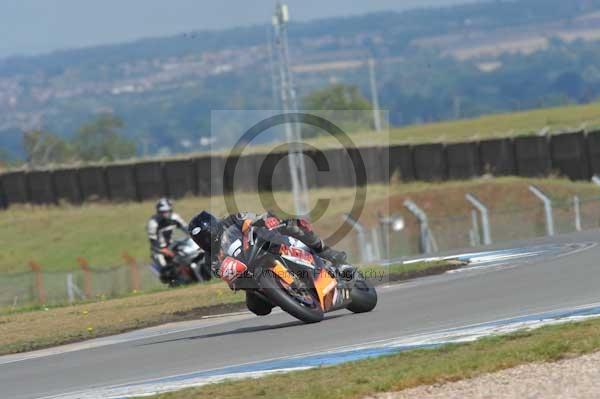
column 88, row 283
column 467, row 229
column 386, row 240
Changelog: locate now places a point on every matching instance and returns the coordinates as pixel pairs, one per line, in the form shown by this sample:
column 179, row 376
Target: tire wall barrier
column 574, row 155
column 463, row 160
column 180, row 178
column 209, row 175
column 149, row 180
column 92, row 180
column 121, row 183
column 66, row 185
column 533, row 156
column 497, row 157
column 3, row 202
column 593, row 145
column 569, row 156
column 41, row 187
column 14, row 187
column 400, row 163
column 429, row 162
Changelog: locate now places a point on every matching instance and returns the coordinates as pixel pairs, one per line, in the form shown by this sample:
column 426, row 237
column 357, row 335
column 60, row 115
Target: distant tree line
column 98, row 140
column 419, row 85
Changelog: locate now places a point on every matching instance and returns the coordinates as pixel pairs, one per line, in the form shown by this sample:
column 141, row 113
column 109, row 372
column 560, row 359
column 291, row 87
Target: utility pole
column 272, row 68
column 290, row 105
column 374, row 95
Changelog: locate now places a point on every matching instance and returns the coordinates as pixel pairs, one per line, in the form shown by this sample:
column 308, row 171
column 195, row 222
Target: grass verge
column 40, row 327
column 56, row 235
column 421, row 367
column 556, row 119
column 22, row 331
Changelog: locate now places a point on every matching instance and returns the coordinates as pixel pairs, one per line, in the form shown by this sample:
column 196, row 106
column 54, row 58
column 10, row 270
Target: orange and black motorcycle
column 278, row 270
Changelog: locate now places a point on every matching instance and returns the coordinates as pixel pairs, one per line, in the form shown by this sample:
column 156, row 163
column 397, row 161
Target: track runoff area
column 518, row 286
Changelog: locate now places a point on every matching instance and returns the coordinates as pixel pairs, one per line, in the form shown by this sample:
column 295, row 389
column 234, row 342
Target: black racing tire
column 363, row 296
column 257, row 305
column 272, row 289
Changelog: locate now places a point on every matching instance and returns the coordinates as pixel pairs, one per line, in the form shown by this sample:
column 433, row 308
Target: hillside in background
column 433, row 65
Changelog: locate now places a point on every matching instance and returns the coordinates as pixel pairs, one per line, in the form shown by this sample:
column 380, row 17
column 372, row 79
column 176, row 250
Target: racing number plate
column 231, row 269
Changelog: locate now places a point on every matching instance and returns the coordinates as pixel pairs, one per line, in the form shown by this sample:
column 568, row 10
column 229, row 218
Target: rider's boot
column 339, row 261
column 166, row 274
column 332, row 255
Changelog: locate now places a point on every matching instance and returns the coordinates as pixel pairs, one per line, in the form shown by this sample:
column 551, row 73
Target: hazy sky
column 34, row 26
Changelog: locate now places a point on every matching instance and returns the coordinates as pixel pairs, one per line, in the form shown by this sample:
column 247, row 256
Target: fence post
column 547, row 208
column 70, row 290
column 39, row 280
column 485, row 220
column 73, row 289
column 87, row 276
column 577, row 211
column 135, row 275
column 366, row 251
column 474, row 233
column 376, row 243
column 427, row 241
column 395, row 223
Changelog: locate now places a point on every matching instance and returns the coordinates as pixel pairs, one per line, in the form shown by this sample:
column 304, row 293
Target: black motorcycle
column 188, row 266
column 278, row 270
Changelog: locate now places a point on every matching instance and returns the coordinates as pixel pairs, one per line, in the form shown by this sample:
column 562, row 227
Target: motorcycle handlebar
column 270, row 236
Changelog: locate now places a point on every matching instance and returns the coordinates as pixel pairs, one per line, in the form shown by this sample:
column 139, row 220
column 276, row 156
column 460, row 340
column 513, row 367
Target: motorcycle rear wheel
column 272, row 288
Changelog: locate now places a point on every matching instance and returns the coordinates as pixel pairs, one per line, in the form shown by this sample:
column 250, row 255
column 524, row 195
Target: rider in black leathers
column 207, row 231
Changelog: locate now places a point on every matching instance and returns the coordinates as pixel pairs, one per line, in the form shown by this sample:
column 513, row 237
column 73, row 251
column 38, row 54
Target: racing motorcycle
column 190, row 265
column 278, row 270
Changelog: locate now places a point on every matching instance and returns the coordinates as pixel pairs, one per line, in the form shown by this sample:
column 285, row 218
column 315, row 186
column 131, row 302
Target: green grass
column 490, row 126
column 410, row 369
column 55, row 236
column 38, row 326
column 30, row 328
column 559, row 119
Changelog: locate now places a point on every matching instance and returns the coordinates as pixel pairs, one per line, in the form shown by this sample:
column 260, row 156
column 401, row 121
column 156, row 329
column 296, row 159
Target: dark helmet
column 164, row 206
column 203, row 228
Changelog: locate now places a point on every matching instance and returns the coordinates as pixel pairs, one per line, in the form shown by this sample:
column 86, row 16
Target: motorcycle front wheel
column 301, row 305
column 363, row 296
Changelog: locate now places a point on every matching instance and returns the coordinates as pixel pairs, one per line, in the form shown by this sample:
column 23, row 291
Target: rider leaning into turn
column 160, row 231
column 207, row 231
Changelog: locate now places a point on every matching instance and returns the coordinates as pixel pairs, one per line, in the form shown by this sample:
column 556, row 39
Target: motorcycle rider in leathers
column 160, row 231
column 207, row 231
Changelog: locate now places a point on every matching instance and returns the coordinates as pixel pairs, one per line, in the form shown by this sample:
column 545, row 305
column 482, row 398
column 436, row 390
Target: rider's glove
column 167, row 252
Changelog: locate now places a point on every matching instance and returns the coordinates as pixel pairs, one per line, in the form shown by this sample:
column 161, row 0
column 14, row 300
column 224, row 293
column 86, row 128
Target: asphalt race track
column 518, row 286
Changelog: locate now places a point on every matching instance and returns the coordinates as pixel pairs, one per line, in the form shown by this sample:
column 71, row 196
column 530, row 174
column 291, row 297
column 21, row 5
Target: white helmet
column 164, row 205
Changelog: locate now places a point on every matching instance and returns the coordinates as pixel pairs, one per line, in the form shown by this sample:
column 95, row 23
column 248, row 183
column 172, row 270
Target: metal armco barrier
column 485, row 221
column 427, row 242
column 575, row 155
column 547, row 208
column 365, row 246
